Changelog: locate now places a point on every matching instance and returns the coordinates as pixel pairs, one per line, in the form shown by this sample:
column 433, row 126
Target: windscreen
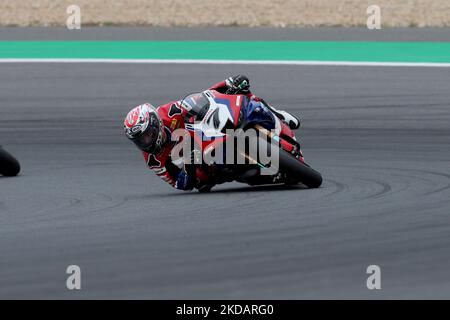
column 197, row 104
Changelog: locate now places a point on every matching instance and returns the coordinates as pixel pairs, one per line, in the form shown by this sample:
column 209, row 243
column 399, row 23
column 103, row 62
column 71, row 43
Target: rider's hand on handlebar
column 238, row 84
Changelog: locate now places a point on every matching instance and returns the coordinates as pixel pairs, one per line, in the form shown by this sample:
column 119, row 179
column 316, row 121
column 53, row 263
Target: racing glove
column 186, row 178
column 184, row 181
column 238, row 84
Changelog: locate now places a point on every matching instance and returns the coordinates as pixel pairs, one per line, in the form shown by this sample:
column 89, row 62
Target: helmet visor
column 150, row 140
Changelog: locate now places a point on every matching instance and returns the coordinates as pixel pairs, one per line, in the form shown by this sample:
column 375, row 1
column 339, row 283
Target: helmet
column 144, row 127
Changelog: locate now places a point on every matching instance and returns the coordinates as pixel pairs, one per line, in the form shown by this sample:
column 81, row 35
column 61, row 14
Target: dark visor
column 147, row 140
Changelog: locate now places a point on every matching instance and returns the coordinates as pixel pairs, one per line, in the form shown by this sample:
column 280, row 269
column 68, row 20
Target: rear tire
column 9, row 166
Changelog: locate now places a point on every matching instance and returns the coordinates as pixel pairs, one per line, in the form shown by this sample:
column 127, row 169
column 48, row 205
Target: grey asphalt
column 225, row 33
column 380, row 137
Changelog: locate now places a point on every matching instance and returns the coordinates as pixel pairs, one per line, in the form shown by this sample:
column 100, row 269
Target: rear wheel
column 9, row 166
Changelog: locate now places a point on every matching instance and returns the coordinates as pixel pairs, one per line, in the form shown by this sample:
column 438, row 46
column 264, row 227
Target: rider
column 150, row 129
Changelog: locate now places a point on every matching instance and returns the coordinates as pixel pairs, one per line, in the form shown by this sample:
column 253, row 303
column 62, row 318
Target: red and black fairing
column 245, row 113
column 182, row 114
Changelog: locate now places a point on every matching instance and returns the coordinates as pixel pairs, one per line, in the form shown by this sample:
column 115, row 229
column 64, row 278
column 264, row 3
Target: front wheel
column 9, row 166
column 290, row 166
column 297, row 170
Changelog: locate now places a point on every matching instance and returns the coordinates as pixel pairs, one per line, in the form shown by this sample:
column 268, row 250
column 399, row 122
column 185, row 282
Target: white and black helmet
column 144, row 127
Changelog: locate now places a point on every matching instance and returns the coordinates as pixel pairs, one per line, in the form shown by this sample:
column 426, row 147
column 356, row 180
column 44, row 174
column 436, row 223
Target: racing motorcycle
column 220, row 118
column 9, row 166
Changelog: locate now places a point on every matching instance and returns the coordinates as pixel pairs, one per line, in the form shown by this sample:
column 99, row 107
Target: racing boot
column 292, row 121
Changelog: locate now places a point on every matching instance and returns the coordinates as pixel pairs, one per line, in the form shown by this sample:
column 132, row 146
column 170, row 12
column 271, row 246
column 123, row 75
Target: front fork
column 291, row 147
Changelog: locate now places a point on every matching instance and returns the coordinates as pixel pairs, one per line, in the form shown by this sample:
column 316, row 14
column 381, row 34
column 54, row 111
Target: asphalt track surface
column 225, row 33
column 380, row 136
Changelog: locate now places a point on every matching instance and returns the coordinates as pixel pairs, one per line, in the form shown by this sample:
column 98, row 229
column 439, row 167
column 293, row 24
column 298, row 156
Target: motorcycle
column 9, row 166
column 219, row 119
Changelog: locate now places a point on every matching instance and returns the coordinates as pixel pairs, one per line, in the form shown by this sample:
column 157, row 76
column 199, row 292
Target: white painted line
column 248, row 62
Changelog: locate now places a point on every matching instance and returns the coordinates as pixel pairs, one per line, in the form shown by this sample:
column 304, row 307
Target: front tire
column 290, row 166
column 299, row 171
column 9, row 166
